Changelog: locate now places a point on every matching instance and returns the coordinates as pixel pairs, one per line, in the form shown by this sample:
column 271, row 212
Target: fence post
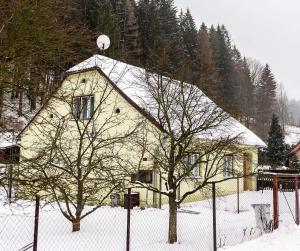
column 275, row 202
column 214, row 216
column 36, row 222
column 128, row 219
column 238, row 195
column 297, row 200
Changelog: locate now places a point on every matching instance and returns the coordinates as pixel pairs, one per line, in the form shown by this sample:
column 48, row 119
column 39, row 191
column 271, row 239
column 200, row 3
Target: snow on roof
column 292, row 135
column 126, row 77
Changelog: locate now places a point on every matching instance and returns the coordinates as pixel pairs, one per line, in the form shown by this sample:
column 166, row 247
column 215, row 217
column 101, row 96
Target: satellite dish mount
column 103, row 42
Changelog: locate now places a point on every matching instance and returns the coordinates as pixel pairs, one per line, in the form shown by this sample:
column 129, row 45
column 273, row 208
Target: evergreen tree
column 147, row 15
column 130, row 41
column 188, row 33
column 276, row 147
column 168, row 22
column 265, row 102
column 224, row 64
column 37, row 45
column 160, row 32
column 247, row 95
column 236, row 79
column 101, row 19
column 295, row 163
column 204, row 66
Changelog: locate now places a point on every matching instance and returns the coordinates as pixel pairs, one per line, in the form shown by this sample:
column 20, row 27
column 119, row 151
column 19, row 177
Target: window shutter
column 91, row 106
column 76, row 107
column 84, row 109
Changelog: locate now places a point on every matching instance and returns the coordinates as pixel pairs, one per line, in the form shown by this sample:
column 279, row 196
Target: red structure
column 295, row 150
column 297, row 200
column 275, row 202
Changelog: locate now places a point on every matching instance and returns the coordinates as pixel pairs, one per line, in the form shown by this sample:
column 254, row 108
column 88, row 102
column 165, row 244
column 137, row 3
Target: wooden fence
column 285, row 183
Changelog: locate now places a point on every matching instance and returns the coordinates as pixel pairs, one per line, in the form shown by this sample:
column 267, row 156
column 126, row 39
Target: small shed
column 10, row 154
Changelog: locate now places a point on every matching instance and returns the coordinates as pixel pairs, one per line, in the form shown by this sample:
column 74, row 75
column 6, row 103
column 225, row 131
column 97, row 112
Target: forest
column 41, row 39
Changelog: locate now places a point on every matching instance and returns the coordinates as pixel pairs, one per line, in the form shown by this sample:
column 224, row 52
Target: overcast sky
column 268, row 30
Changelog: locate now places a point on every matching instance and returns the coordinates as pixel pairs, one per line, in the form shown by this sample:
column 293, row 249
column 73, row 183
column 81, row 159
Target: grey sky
column 268, row 30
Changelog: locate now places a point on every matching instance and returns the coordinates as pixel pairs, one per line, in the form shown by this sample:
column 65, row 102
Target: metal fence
column 223, row 216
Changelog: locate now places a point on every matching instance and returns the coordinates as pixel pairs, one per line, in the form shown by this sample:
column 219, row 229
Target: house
column 102, row 79
column 294, row 151
column 9, row 157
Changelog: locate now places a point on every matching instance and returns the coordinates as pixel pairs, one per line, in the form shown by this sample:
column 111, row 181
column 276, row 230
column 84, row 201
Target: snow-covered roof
column 292, row 135
column 126, row 77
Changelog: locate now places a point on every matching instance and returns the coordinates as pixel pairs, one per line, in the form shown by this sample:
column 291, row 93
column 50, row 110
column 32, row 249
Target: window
column 83, row 107
column 144, row 176
column 192, row 161
column 228, row 165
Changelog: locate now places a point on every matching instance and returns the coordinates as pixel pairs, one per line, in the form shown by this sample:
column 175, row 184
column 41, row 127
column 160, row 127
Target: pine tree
column 130, row 41
column 101, row 19
column 160, row 33
column 265, row 102
column 204, row 66
column 147, row 15
column 37, row 45
column 222, row 56
column 188, row 33
column 236, row 79
column 168, row 22
column 247, row 95
column 295, row 163
column 276, row 147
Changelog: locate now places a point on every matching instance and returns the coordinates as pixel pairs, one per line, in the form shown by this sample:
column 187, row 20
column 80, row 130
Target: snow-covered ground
column 284, row 239
column 106, row 228
column 292, row 135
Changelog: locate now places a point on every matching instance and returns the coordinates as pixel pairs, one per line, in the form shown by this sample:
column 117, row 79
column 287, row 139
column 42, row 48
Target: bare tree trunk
column 76, row 225
column 32, row 103
column 76, row 222
column 20, row 110
column 1, row 103
column 172, row 238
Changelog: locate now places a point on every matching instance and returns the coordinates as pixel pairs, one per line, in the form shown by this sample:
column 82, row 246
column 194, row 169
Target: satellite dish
column 103, row 42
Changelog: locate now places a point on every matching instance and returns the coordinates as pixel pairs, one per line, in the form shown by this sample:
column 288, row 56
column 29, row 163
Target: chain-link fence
column 234, row 216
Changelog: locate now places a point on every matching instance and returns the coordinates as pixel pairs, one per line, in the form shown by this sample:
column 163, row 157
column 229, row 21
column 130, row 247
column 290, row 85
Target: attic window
column 83, row 80
column 117, row 111
column 83, row 107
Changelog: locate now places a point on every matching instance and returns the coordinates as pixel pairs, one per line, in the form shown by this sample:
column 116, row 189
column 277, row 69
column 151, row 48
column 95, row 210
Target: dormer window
column 83, row 107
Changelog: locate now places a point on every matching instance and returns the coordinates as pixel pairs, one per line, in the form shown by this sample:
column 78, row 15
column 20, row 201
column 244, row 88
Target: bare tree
column 256, row 69
column 195, row 132
column 72, row 150
column 282, row 107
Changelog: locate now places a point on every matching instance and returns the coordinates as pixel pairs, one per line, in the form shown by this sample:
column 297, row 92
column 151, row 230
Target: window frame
column 83, row 113
column 198, row 166
column 143, row 174
column 228, row 170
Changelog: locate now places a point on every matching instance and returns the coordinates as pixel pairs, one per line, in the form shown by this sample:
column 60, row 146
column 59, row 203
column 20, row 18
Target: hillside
column 39, row 43
column 292, row 135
